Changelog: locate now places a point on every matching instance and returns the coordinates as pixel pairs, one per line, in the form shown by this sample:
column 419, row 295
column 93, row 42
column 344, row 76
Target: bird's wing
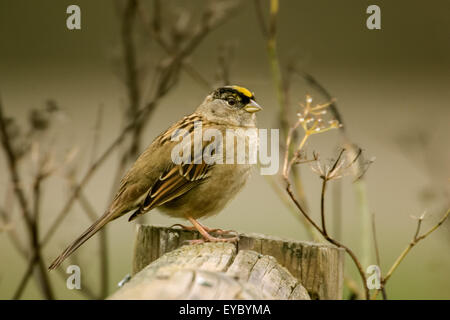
column 175, row 182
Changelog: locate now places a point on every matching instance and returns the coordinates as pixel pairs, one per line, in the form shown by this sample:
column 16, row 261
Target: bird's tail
column 96, row 226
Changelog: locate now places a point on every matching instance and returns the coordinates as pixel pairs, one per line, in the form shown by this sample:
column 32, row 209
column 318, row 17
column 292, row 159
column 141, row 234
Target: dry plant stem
column 131, row 75
column 5, row 214
column 12, row 234
column 270, row 33
column 324, row 92
column 322, row 205
column 329, row 239
column 377, row 253
column 413, row 242
column 23, row 282
column 359, row 185
column 322, row 231
column 12, row 165
column 337, row 194
column 42, row 270
column 36, row 259
column 361, row 189
column 288, row 165
column 30, row 220
column 275, row 64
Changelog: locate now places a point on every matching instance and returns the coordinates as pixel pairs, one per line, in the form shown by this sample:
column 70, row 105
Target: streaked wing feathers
column 175, row 182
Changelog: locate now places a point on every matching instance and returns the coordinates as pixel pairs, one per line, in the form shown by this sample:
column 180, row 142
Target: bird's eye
column 231, row 102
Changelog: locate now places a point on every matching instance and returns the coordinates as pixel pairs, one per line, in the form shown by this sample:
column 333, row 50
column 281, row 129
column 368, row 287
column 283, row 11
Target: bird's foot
column 208, row 230
column 205, row 232
column 210, row 238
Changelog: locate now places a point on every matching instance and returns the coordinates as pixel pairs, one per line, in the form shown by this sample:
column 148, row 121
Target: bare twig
column 26, row 276
column 30, row 218
column 377, row 253
column 88, row 208
column 131, row 75
column 416, row 239
column 12, row 163
column 5, row 214
column 326, row 175
column 314, row 83
column 269, row 31
column 375, row 241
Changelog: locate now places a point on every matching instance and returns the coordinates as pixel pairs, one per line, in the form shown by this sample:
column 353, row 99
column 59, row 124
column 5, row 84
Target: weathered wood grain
column 256, row 261
column 213, row 271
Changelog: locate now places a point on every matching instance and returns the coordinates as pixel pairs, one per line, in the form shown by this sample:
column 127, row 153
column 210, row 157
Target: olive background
column 389, row 83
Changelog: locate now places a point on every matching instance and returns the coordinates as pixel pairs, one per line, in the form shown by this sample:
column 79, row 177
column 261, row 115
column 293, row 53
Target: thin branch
column 416, row 239
column 12, row 163
column 103, row 241
column 30, row 219
column 88, row 208
column 377, row 253
column 322, row 231
column 375, row 241
column 322, row 205
column 5, row 214
column 26, row 276
column 131, row 74
column 314, row 83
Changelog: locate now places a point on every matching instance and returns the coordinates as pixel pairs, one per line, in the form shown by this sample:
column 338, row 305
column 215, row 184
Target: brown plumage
column 186, row 190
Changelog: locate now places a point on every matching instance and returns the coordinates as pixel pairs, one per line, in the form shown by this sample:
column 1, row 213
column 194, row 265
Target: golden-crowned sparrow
column 191, row 189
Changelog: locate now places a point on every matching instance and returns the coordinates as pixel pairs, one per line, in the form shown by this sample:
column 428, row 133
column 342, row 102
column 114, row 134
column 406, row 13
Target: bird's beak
column 252, row 107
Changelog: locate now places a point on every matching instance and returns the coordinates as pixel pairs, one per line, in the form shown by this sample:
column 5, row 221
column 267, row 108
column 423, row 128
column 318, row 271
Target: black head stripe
column 240, row 94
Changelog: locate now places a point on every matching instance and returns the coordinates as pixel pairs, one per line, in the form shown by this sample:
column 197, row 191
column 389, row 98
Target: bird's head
column 233, row 105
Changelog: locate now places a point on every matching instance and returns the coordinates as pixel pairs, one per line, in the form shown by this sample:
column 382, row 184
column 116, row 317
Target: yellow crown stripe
column 243, row 90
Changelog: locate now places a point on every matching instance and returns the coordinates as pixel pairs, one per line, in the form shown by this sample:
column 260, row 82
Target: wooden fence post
column 256, row 267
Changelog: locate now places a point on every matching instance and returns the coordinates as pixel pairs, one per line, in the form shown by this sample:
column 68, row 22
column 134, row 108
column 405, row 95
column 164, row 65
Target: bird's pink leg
column 209, row 230
column 204, row 232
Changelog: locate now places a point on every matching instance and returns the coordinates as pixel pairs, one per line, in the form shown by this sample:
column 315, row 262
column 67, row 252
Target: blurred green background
column 391, row 85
